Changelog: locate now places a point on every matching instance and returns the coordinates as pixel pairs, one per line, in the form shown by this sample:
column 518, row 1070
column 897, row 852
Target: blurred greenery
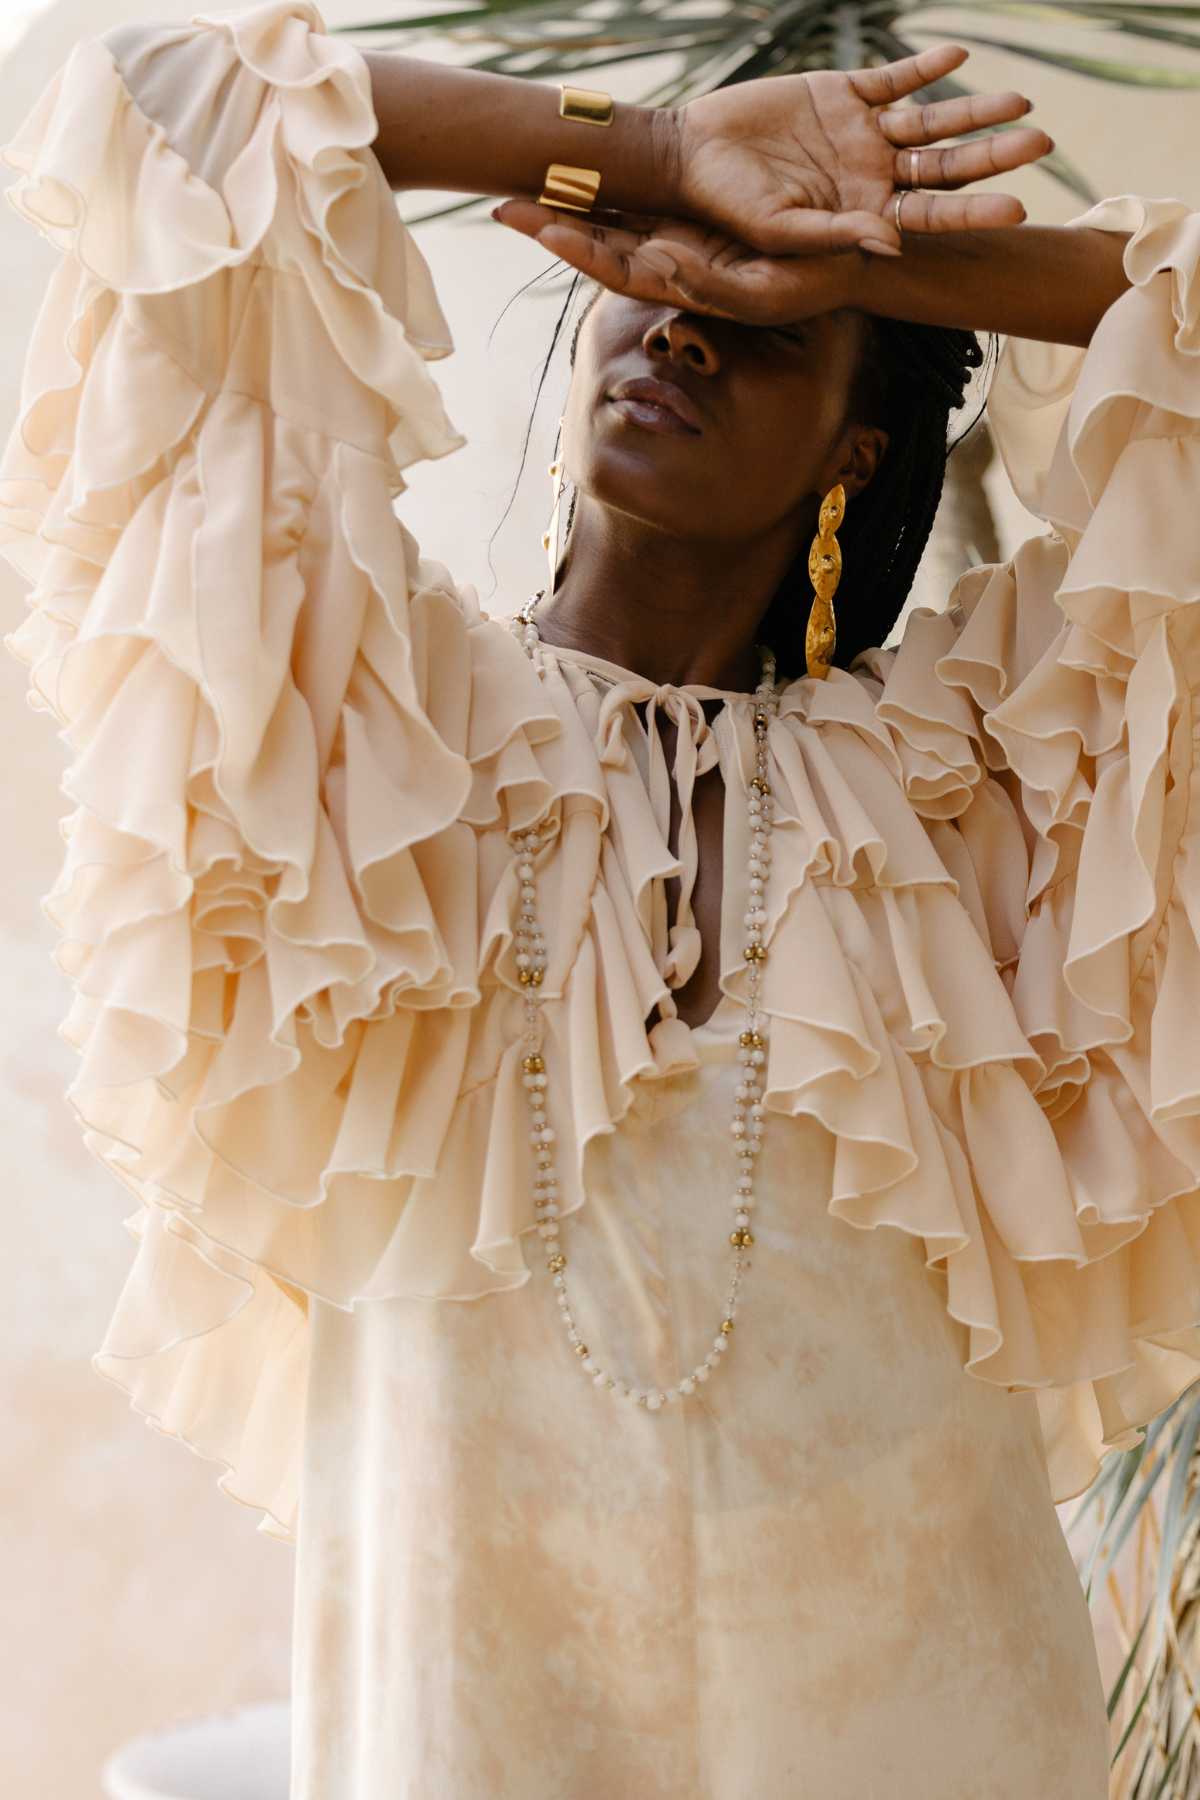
column 715, row 43
column 1162, row 1713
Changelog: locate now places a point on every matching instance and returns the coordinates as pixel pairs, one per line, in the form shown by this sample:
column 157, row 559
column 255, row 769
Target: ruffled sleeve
column 269, row 903
column 1061, row 693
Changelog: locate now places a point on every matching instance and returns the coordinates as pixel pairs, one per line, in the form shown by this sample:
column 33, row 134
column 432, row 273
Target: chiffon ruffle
column 287, row 902
column 1059, row 692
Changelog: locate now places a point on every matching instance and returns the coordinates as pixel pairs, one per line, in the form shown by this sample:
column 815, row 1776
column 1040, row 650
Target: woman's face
column 764, row 435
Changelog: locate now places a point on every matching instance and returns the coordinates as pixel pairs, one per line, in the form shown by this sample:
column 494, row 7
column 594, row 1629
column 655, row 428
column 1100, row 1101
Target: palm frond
column 1130, row 20
column 729, row 41
column 1118, row 1687
column 1154, row 1701
column 1098, row 68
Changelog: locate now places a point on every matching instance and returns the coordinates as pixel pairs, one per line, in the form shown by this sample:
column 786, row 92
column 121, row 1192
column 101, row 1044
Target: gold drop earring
column 550, row 535
column 824, row 571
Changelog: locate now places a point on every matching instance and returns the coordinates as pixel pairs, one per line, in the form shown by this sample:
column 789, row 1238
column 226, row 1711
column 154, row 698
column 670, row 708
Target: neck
column 677, row 611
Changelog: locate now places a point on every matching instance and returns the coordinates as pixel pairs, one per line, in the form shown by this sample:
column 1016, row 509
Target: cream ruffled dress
column 287, row 909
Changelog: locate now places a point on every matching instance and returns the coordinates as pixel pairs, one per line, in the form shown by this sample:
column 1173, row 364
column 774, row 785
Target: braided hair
column 909, row 380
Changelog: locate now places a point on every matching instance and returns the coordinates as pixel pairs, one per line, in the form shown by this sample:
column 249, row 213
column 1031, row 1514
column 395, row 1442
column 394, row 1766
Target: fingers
column 692, row 281
column 950, row 118
column 921, row 212
column 652, row 270
column 607, row 256
column 623, row 229
column 529, row 217
column 638, row 263
column 960, row 164
column 892, row 81
column 585, row 245
column 605, row 252
column 807, row 231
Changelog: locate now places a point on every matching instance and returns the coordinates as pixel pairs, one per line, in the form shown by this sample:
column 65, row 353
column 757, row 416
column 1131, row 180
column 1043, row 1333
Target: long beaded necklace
column 747, row 1124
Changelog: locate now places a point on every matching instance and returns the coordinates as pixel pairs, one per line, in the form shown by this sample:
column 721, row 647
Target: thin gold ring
column 899, row 198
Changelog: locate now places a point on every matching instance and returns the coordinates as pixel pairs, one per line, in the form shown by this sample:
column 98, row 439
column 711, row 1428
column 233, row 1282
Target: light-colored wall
column 134, row 1592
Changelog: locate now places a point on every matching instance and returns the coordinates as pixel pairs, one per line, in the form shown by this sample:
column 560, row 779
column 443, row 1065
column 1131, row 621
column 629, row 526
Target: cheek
column 725, row 491
column 598, row 347
column 759, row 461
column 578, row 425
column 776, row 451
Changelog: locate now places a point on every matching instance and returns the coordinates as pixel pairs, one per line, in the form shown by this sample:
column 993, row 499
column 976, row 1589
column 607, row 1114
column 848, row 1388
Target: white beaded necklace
column 748, row 1111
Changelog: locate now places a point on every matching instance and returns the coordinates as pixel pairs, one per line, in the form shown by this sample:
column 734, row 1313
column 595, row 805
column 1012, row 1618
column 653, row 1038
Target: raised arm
column 476, row 133
column 1051, row 282
column 794, row 165
column 742, row 203
column 1048, row 282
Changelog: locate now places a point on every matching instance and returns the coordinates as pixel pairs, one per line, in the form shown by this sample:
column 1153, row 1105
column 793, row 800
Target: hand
column 803, row 164
column 689, row 266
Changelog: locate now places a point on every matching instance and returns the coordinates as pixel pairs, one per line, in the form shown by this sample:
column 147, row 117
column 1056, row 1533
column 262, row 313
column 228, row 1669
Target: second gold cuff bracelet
column 565, row 186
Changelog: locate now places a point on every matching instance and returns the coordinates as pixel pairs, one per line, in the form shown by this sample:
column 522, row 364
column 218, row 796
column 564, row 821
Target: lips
column 664, row 396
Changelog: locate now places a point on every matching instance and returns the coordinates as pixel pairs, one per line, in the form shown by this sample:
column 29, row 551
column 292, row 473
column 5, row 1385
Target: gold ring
column 899, row 226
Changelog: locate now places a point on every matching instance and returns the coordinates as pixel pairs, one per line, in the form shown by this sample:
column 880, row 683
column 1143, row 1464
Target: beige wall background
column 135, row 1593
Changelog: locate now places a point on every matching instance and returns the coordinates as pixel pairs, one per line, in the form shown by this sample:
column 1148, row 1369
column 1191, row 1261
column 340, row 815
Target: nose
column 681, row 337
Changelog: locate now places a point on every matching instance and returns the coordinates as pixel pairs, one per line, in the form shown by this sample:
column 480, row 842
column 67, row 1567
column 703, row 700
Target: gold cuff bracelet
column 574, row 190
column 565, row 186
column 587, row 105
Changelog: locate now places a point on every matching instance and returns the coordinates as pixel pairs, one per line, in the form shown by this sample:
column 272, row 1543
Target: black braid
column 911, row 378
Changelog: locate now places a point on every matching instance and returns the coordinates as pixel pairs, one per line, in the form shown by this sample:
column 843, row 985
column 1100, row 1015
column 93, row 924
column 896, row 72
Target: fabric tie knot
column 677, row 943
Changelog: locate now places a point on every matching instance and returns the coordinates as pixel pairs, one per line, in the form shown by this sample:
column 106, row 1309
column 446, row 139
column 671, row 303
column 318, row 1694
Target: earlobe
column 854, row 478
column 866, row 453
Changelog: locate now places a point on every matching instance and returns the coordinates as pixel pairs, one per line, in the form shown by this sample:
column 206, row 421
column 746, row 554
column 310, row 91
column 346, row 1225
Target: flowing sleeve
column 1048, row 723
column 267, row 908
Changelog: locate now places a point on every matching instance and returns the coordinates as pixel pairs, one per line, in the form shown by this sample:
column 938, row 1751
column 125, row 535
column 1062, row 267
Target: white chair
column 242, row 1755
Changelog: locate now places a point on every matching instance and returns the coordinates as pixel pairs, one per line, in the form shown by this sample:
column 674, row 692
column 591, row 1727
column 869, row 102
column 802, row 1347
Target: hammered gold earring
column 824, row 571
column 550, row 535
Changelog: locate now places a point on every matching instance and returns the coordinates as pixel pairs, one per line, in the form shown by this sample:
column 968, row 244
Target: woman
column 421, row 958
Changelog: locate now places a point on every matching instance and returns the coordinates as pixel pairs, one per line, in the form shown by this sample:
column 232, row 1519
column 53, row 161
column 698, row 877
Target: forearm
column 1053, row 282
column 477, row 133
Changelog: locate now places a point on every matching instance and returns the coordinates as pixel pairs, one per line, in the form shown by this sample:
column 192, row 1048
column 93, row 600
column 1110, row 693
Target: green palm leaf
column 739, row 40
column 1133, row 21
column 1161, row 1731
column 1127, row 1667
column 1099, row 68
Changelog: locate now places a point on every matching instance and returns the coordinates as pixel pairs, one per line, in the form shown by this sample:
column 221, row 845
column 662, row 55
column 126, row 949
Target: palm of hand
column 798, row 144
column 801, row 164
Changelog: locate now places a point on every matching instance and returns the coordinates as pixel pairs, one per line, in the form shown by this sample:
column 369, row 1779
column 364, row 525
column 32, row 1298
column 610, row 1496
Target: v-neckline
column 613, row 675
column 712, row 949
column 713, row 704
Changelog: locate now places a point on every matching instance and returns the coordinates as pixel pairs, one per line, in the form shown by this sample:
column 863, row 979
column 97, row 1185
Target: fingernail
column 878, row 248
column 496, row 214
